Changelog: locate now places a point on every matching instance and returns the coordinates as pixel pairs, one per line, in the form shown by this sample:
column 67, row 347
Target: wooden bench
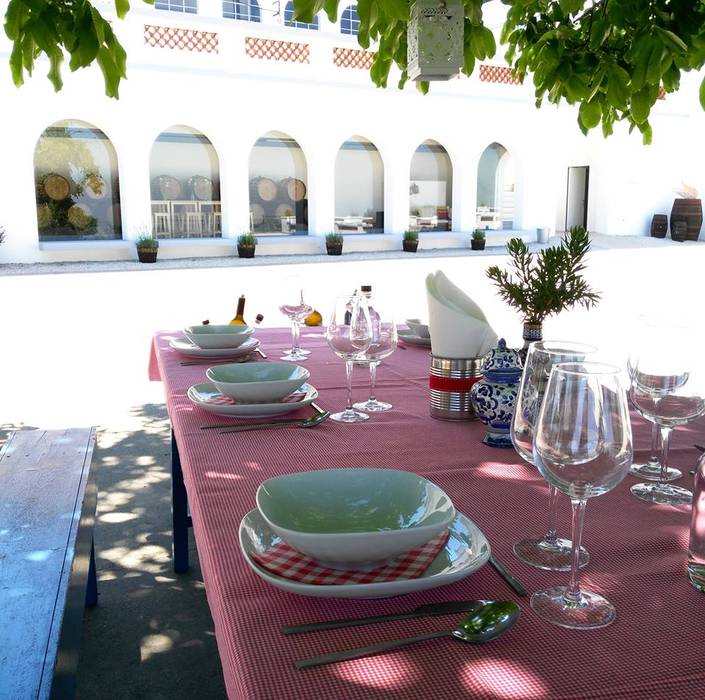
column 47, row 563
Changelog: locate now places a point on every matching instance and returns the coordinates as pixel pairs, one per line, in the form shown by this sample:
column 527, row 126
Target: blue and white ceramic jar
column 495, row 395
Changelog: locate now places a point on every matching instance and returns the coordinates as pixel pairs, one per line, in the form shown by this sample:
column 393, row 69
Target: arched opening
column 359, row 187
column 278, row 185
column 430, row 188
column 185, row 180
column 289, row 20
column 350, row 21
column 245, row 10
column 77, row 188
column 496, row 185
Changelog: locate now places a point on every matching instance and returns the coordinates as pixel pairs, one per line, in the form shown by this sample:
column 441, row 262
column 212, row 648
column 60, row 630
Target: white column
column 135, row 192
column 396, row 192
column 234, row 185
column 464, row 194
column 321, row 188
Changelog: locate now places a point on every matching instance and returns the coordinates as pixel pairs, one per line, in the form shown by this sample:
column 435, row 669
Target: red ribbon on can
column 447, row 384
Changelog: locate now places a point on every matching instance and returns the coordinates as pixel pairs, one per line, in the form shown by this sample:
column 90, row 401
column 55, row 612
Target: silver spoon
column 492, row 619
column 311, row 422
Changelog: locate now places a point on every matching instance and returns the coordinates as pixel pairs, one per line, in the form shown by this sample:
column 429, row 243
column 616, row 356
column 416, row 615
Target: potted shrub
column 478, row 239
column 147, row 248
column 334, row 243
column 411, row 241
column 246, row 243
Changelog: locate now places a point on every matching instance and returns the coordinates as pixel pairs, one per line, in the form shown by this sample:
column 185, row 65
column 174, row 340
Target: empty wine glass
column 668, row 389
column 383, row 344
column 549, row 552
column 296, row 312
column 349, row 334
column 583, row 446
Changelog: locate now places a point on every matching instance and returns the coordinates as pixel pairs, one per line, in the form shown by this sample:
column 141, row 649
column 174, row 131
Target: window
column 349, row 21
column 430, row 189
column 77, row 190
column 289, row 20
column 190, row 6
column 278, row 185
column 247, row 10
column 185, row 182
column 495, row 188
column 359, row 187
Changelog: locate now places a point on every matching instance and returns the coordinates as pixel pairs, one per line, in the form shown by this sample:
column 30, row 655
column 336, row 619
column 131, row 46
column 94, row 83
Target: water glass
column 296, row 313
column 384, row 343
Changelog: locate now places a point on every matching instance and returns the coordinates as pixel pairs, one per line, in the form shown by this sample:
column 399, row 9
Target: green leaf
column 589, row 114
column 673, row 39
column 702, row 94
column 422, row 86
column 16, row 64
column 641, row 105
column 122, row 7
column 54, row 75
column 398, row 9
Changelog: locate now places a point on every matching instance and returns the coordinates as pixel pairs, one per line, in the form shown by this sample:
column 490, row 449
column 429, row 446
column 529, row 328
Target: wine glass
column 349, row 334
column 583, row 446
column 549, row 552
column 384, row 343
column 296, row 312
column 667, row 392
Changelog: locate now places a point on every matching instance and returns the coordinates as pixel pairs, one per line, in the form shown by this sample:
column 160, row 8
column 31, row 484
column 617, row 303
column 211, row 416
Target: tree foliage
column 546, row 283
column 611, row 58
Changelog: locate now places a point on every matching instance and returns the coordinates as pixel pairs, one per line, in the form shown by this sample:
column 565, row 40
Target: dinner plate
column 207, row 397
column 186, row 347
column 413, row 339
column 466, row 550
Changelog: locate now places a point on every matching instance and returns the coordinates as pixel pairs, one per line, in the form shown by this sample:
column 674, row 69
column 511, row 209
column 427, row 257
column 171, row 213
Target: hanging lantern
column 435, row 39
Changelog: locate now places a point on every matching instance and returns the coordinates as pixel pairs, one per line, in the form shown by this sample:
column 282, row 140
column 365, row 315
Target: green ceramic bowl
column 211, row 336
column 261, row 382
column 352, row 517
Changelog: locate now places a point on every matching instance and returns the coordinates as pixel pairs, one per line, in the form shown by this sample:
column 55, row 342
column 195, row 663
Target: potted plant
column 411, row 241
column 246, row 244
column 477, row 242
column 545, row 283
column 147, row 248
column 334, row 243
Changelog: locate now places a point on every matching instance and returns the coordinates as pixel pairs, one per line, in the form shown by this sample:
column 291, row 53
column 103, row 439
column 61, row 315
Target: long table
column 638, row 555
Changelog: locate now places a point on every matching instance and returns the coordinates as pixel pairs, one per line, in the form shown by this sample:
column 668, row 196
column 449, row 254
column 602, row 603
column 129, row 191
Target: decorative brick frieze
column 352, row 58
column 498, row 74
column 275, row 50
column 183, row 39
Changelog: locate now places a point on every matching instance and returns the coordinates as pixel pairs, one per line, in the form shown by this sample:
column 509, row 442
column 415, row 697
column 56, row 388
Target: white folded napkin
column 458, row 326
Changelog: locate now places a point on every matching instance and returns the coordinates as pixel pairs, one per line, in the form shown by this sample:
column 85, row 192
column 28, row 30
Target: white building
column 231, row 121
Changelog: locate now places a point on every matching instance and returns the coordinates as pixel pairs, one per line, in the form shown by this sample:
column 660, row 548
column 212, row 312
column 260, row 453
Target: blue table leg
column 179, row 511
column 92, row 583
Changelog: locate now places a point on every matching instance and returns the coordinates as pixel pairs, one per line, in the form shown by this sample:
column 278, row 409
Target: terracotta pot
column 334, row 248
column 147, row 255
column 246, row 251
column 477, row 245
column 410, row 246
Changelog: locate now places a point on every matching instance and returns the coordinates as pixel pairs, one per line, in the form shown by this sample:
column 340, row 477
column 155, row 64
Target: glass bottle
column 696, row 545
column 239, row 319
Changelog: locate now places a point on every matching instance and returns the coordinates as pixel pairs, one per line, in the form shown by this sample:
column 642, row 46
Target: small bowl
column 212, row 337
column 258, row 383
column 419, row 329
column 354, row 518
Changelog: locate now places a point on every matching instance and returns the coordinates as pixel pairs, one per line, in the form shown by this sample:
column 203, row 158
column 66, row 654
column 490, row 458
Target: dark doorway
column 576, row 203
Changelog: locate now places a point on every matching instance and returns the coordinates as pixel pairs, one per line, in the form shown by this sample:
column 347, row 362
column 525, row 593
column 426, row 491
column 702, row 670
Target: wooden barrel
column 292, row 189
column 57, row 187
column 679, row 229
column 202, row 188
column 43, row 215
column 284, row 210
column 79, row 216
column 168, row 187
column 264, row 188
column 659, row 226
column 94, row 186
column 689, row 211
column 257, row 213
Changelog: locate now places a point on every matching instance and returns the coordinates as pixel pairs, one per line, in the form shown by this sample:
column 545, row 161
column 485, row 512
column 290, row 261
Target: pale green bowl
column 264, row 382
column 352, row 517
column 211, row 336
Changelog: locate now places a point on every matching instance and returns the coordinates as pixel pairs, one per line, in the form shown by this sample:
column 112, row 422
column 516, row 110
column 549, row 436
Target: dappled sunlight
column 504, row 471
column 155, row 644
column 383, row 671
column 148, row 558
column 117, row 517
column 223, row 475
column 503, row 679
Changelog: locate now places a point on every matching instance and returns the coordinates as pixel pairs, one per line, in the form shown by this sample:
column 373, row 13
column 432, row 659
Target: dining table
column 638, row 552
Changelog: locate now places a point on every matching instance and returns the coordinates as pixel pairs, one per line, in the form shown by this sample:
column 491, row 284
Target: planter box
column 246, row 251
column 147, row 255
column 334, row 249
column 410, row 246
column 477, row 245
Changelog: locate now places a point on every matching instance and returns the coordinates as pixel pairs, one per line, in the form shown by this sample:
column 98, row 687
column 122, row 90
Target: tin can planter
column 246, row 251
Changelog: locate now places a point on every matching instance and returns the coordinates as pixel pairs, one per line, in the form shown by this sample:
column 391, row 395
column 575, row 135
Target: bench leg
column 179, row 511
column 92, row 584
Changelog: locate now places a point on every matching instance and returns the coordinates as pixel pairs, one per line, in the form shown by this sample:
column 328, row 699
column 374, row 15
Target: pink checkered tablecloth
column 638, row 555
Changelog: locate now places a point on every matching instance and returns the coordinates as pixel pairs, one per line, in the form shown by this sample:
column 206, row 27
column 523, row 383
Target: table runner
column 638, row 555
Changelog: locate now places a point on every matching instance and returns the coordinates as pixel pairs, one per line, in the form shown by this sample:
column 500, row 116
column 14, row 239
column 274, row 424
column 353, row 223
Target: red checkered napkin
column 283, row 560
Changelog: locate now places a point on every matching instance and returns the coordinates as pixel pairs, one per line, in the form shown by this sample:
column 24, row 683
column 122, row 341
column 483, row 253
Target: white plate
column 186, row 347
column 207, row 397
column 413, row 339
column 465, row 552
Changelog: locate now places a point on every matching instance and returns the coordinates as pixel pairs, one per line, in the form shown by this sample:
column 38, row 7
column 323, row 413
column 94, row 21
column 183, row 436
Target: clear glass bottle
column 696, row 545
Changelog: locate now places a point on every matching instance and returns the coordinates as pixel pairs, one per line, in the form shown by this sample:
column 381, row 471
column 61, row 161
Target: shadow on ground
column 151, row 635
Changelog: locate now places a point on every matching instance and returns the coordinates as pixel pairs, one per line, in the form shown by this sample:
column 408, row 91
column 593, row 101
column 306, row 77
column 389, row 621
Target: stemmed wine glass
column 296, row 313
column 668, row 389
column 549, row 552
column 384, row 343
column 583, row 446
column 349, row 335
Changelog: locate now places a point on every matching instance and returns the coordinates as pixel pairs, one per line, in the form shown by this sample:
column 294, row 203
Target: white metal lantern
column 435, row 39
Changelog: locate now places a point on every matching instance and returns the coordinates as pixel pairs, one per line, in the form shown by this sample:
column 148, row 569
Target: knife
column 450, row 608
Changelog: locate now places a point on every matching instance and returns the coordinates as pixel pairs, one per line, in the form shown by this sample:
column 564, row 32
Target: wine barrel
column 43, row 215
column 257, row 213
column 679, row 230
column 264, row 188
column 690, row 211
column 168, row 187
column 79, row 216
column 94, row 186
column 659, row 226
column 284, row 210
column 57, row 187
column 292, row 189
column 202, row 188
